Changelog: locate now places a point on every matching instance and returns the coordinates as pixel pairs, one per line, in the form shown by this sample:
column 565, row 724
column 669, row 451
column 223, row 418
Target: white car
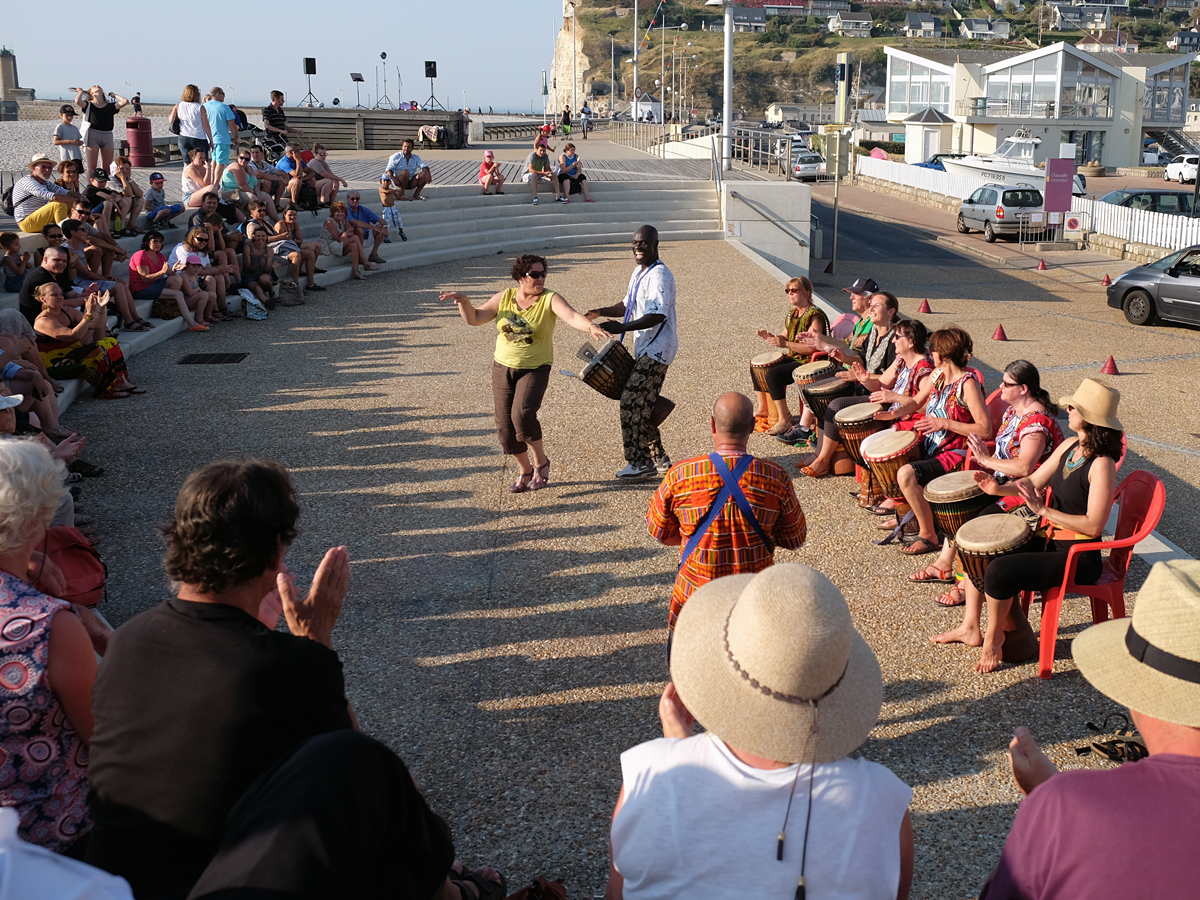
column 808, row 165
column 1181, row 169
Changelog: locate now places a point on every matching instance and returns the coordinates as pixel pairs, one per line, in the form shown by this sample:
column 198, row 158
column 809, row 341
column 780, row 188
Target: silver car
column 1168, row 289
column 995, row 209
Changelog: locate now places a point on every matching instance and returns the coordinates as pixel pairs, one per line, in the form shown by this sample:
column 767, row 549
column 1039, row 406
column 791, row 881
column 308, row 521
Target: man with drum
column 648, row 309
column 728, row 510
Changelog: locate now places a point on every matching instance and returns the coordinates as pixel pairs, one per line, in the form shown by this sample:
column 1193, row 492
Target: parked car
column 1181, row 169
column 994, row 209
column 807, row 165
column 1168, row 289
column 1155, row 158
column 1177, row 203
column 935, row 161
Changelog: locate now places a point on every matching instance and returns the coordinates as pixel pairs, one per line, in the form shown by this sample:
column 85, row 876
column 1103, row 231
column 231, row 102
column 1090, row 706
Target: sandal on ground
column 521, row 485
column 940, row 576
column 134, row 326
column 956, row 596
column 541, row 477
column 880, row 510
column 86, row 469
column 920, row 547
column 144, row 322
column 813, row 473
column 780, row 427
column 485, row 888
column 112, row 395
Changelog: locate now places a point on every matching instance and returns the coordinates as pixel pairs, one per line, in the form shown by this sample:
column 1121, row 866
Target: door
column 1179, row 290
column 933, row 142
column 970, row 208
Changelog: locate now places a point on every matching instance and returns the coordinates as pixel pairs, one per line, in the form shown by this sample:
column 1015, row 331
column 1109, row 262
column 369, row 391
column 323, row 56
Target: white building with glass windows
column 1104, row 103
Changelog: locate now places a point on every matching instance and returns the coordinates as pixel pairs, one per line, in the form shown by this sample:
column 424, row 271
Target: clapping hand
column 979, row 449
column 1033, row 498
column 676, row 720
column 315, row 615
column 987, row 483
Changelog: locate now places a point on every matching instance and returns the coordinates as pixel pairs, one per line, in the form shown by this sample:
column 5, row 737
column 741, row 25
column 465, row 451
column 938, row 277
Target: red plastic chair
column 1141, row 498
column 996, row 409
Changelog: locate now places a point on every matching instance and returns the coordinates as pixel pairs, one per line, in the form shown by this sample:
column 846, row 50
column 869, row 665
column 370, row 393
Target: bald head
column 733, row 416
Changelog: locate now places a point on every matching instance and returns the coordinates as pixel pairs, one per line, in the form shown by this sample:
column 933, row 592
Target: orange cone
column 829, row 268
column 1109, row 368
column 1106, row 282
column 1041, row 265
column 999, row 334
column 924, row 307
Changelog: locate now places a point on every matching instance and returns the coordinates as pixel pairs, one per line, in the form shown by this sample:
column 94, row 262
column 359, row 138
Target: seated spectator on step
column 258, row 262
column 257, row 210
column 47, row 716
column 490, row 175
column 122, row 175
column 38, row 201
column 328, row 183
column 17, row 264
column 214, row 275
column 243, row 123
column 21, row 376
column 298, row 172
column 1061, row 840
column 288, row 242
column 271, row 180
column 69, row 172
column 83, row 278
column 239, row 185
column 107, row 204
column 67, row 138
column 199, row 299
column 209, row 206
column 196, row 178
column 68, row 338
column 570, row 169
column 274, row 118
column 764, row 796
column 366, row 222
column 53, row 268
column 151, row 276
column 537, row 169
column 103, row 248
column 408, row 172
column 159, row 213
column 225, row 243
column 338, row 238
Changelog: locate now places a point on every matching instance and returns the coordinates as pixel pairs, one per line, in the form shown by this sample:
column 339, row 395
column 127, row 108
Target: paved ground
column 510, row 647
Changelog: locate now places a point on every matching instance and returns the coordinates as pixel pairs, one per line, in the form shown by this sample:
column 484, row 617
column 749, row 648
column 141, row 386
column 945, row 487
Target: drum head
column 952, row 487
column 767, row 359
column 809, row 370
column 992, row 534
column 887, row 444
column 859, row 412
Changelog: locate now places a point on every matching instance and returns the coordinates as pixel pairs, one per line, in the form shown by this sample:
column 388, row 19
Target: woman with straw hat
column 1062, row 842
column 1082, row 477
column 767, row 799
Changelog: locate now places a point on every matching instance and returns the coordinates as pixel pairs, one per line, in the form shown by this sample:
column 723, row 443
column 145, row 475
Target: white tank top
column 189, row 187
column 698, row 822
column 190, row 124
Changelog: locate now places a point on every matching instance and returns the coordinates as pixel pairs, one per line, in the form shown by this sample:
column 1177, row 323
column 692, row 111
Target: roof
column 854, row 17
column 872, row 115
column 929, row 116
column 914, row 19
column 1107, row 38
column 989, row 57
column 983, row 24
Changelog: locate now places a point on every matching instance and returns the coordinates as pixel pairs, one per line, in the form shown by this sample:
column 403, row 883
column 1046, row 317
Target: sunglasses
column 243, row 159
column 1009, row 384
column 200, row 241
column 537, row 275
column 791, row 290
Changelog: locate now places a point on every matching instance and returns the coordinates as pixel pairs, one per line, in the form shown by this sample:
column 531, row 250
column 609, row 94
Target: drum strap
column 731, row 489
column 631, row 302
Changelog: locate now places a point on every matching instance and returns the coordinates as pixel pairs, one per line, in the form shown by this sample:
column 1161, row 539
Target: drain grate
column 212, row 359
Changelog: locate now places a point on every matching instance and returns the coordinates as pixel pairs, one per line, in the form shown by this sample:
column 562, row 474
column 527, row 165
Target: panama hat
column 757, row 658
column 1151, row 662
column 1096, row 403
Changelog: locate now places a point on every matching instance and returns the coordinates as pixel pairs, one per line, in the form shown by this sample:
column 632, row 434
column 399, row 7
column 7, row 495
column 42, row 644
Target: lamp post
column 727, row 86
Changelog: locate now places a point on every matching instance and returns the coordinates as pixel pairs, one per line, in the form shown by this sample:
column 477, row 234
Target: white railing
column 1139, row 226
column 921, row 179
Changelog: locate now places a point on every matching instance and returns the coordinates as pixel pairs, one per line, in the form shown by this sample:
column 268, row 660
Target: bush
column 885, row 146
column 803, row 41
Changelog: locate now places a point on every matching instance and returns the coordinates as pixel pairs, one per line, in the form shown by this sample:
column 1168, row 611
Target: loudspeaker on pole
column 431, row 68
column 310, row 65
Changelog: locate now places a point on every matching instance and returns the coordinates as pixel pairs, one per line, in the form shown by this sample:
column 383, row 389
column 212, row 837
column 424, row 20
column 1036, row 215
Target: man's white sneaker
column 535, row 199
column 637, row 473
column 663, row 466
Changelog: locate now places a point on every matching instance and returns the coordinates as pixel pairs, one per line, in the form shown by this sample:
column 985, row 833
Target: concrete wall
column 743, row 220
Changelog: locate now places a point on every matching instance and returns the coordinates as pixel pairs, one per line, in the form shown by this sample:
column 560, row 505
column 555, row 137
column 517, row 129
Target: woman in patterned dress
column 47, row 664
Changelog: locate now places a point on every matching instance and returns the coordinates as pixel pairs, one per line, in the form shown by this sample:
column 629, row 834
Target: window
column 1024, row 198
column 898, row 85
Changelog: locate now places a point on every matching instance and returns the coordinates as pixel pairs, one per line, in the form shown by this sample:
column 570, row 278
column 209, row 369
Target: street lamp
column 727, row 85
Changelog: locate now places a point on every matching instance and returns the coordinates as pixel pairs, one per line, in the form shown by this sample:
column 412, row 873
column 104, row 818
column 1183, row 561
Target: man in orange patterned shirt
column 731, row 544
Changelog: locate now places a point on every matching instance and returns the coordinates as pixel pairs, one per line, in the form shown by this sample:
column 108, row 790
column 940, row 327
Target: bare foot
column 359, row 276
column 963, row 634
column 1030, row 766
column 990, row 656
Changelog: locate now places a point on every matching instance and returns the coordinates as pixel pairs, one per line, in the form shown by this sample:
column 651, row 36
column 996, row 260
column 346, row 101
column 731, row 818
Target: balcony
column 988, row 108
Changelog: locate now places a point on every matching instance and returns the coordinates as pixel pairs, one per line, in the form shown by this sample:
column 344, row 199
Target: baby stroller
column 274, row 145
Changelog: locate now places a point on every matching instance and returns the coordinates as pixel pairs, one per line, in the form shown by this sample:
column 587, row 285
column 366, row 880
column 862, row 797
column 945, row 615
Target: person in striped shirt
column 38, row 201
column 731, row 544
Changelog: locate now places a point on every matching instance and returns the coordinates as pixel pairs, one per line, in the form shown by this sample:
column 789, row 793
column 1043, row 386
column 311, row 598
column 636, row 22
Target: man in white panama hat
column 767, row 799
column 1129, row 831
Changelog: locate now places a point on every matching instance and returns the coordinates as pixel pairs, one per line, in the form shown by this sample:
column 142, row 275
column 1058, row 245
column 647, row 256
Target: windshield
column 808, row 159
column 1010, row 150
column 1115, row 197
column 1166, row 262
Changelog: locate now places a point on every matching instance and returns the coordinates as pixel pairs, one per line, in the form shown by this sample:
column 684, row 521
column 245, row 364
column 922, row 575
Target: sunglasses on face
column 791, row 290
column 1009, row 384
column 200, row 241
column 536, row 276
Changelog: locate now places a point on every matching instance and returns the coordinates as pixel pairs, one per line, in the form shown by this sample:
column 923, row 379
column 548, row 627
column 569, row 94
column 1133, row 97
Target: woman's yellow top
column 526, row 338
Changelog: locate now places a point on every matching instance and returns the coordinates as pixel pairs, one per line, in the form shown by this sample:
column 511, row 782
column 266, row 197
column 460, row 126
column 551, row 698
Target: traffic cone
column 1107, row 281
column 924, row 307
column 829, row 267
column 1041, row 265
column 999, row 334
column 1109, row 368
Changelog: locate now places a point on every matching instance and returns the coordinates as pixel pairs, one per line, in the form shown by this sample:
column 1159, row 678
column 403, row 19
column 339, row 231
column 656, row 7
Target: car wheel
column 1182, row 180
column 988, row 234
column 1138, row 308
column 962, row 225
column 1166, row 177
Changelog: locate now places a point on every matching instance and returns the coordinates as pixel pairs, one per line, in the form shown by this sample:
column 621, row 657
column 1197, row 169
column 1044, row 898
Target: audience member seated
column 224, row 244
column 239, row 185
column 366, row 222
column 45, row 714
column 214, row 275
column 103, row 248
column 199, row 297
column 537, row 168
column 67, row 138
column 258, row 262
column 570, row 169
column 257, row 212
column 38, row 201
column 387, row 199
column 803, row 316
column 152, row 278
column 83, row 277
column 490, row 175
column 23, row 373
column 756, row 658
column 289, row 243
column 408, row 172
column 55, row 262
column 299, row 174
column 339, row 238
column 1061, row 844
column 69, row 173
column 275, row 119
column 123, row 175
column 74, row 343
column 106, row 204
column 195, row 132
column 271, row 180
column 17, row 264
column 195, row 177
column 327, row 182
column 1082, row 477
column 159, row 213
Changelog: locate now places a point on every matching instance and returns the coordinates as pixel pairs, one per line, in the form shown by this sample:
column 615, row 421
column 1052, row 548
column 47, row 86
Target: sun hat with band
column 759, row 658
column 1096, row 403
column 1151, row 661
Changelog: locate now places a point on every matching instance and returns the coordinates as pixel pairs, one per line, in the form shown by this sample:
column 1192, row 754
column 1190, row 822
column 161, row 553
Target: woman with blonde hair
column 194, row 130
column 803, row 315
column 338, row 238
column 327, row 182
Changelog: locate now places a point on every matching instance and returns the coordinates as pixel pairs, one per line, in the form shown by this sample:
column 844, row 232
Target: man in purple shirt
column 1130, row 831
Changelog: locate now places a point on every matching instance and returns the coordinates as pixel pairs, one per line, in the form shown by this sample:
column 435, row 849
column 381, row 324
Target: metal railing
column 988, row 107
column 763, row 150
column 779, row 223
column 641, row 136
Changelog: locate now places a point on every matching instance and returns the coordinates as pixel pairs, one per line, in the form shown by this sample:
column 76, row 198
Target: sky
column 494, row 50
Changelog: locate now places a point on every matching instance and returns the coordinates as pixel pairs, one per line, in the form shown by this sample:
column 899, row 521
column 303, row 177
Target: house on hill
column 1185, row 41
column 984, row 29
column 1081, row 17
column 1109, row 42
column 919, row 24
column 851, row 24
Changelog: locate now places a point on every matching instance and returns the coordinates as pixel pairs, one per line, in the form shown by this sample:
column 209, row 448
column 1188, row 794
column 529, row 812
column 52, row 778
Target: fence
column 764, row 150
column 641, row 136
column 918, row 178
column 1139, row 226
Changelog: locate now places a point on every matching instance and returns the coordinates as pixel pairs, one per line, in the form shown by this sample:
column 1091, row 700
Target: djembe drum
column 987, row 538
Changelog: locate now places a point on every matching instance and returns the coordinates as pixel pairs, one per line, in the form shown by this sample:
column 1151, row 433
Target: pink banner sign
column 1060, row 180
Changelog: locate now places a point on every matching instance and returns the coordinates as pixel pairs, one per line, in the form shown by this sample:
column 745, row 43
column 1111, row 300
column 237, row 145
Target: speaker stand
column 309, row 99
column 432, row 102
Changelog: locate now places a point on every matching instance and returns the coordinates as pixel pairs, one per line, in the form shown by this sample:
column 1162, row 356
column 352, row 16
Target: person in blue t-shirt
column 364, row 222
column 224, row 124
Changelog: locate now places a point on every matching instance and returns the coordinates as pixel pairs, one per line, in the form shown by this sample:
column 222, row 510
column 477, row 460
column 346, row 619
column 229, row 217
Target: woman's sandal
column 521, row 485
column 956, row 596
column 813, row 473
column 541, row 477
column 148, row 325
column 920, row 547
column 112, row 395
column 485, row 888
column 888, row 524
column 941, row 576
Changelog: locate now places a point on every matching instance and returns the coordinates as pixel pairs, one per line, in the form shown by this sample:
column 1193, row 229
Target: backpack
column 83, row 570
column 6, row 200
column 307, row 198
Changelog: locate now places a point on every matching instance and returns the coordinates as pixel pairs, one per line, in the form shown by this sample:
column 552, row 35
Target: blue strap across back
column 631, row 301
column 731, row 489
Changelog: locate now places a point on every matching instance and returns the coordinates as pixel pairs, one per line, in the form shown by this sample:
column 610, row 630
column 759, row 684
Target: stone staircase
column 456, row 222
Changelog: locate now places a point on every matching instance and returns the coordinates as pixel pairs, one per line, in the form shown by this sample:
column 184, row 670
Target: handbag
column 175, row 126
column 82, row 568
column 290, row 291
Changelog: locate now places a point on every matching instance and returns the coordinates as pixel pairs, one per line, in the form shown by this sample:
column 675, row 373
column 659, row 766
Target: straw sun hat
column 757, row 658
column 1096, row 403
column 1150, row 662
